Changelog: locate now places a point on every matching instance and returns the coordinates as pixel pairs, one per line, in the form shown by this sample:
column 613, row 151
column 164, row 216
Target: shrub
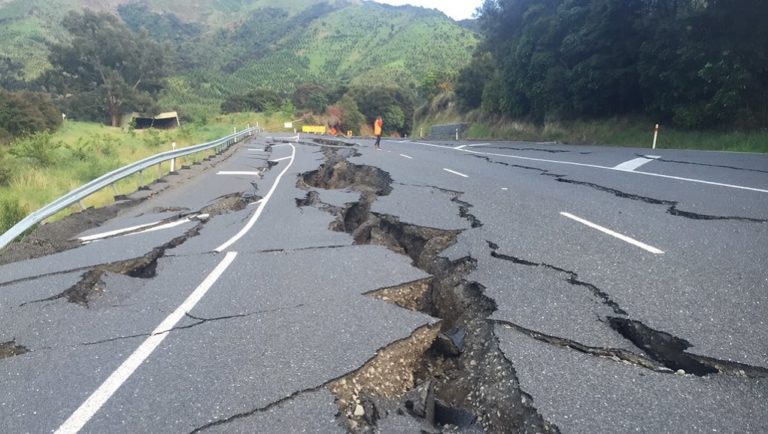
column 11, row 212
column 6, row 173
column 39, row 147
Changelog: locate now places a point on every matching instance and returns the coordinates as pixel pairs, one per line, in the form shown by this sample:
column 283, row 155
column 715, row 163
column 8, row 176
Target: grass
column 36, row 170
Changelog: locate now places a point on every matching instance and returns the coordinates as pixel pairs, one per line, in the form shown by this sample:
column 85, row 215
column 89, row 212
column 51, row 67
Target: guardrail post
column 141, row 179
column 173, row 160
column 114, row 190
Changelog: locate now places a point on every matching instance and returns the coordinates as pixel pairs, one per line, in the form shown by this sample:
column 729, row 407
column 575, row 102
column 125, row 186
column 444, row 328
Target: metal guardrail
column 77, row 195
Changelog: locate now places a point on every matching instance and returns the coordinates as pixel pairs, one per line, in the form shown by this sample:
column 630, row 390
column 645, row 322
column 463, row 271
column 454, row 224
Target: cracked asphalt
column 292, row 312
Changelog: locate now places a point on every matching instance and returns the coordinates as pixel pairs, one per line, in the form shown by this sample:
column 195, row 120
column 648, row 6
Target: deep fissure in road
column 91, row 283
column 463, row 378
column 664, row 349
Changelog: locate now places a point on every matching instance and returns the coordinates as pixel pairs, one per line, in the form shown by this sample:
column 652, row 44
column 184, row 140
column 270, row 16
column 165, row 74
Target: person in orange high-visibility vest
column 377, row 127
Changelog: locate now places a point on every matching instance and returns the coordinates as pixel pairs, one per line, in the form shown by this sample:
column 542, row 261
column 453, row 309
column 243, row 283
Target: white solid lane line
column 100, row 236
column 280, row 159
column 261, row 207
column 406, row 156
column 256, row 150
column 238, row 173
column 456, row 173
column 624, row 238
column 88, row 409
column 631, row 165
column 460, row 147
column 136, row 230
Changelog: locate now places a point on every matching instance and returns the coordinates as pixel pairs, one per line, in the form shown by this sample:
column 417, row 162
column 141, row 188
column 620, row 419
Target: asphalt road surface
column 298, row 286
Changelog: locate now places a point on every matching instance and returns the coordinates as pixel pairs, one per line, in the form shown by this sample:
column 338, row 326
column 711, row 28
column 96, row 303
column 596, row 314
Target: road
column 324, row 286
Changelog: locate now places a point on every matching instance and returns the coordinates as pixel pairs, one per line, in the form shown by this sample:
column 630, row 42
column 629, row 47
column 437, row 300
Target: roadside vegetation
column 606, row 71
column 627, row 131
column 39, row 168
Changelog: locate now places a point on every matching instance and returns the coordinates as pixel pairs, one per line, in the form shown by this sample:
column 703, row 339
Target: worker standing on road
column 377, row 127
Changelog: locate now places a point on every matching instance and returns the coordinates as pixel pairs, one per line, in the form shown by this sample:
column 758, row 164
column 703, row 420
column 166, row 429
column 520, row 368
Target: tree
column 258, row 100
column 105, row 65
column 311, row 96
column 11, row 74
column 26, row 112
column 394, row 104
column 697, row 63
column 472, row 81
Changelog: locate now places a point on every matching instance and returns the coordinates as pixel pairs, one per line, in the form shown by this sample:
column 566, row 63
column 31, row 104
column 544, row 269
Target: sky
column 456, row 9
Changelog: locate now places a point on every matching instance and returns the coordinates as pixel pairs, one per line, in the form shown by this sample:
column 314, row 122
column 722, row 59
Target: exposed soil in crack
column 472, row 381
column 672, row 206
column 386, row 377
column 412, row 296
column 230, row 203
column 11, row 349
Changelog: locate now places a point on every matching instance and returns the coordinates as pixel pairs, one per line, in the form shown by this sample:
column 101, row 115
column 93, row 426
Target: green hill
column 224, row 47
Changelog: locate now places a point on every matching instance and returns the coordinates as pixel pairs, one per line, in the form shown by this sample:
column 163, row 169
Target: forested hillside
column 698, row 64
column 215, row 48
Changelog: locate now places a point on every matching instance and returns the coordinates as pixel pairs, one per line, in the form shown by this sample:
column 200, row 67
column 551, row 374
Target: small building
column 163, row 121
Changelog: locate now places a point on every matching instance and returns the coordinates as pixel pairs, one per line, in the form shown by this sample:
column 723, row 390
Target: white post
column 421, row 133
column 173, row 161
column 457, row 134
column 655, row 135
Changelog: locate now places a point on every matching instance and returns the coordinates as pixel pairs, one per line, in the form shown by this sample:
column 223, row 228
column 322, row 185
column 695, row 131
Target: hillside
column 221, row 47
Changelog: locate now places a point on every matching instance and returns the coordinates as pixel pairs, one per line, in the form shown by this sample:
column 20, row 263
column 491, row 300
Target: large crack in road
column 663, row 348
column 468, row 379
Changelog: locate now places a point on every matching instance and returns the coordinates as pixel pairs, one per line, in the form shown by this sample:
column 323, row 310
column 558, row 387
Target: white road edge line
column 624, row 238
column 569, row 163
column 456, row 173
column 238, row 173
column 631, row 165
column 406, row 156
column 460, row 147
column 595, row 166
column 152, row 227
column 103, row 235
column 88, row 409
column 261, row 207
column 166, row 226
column 256, row 150
column 478, row 145
column 280, row 159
